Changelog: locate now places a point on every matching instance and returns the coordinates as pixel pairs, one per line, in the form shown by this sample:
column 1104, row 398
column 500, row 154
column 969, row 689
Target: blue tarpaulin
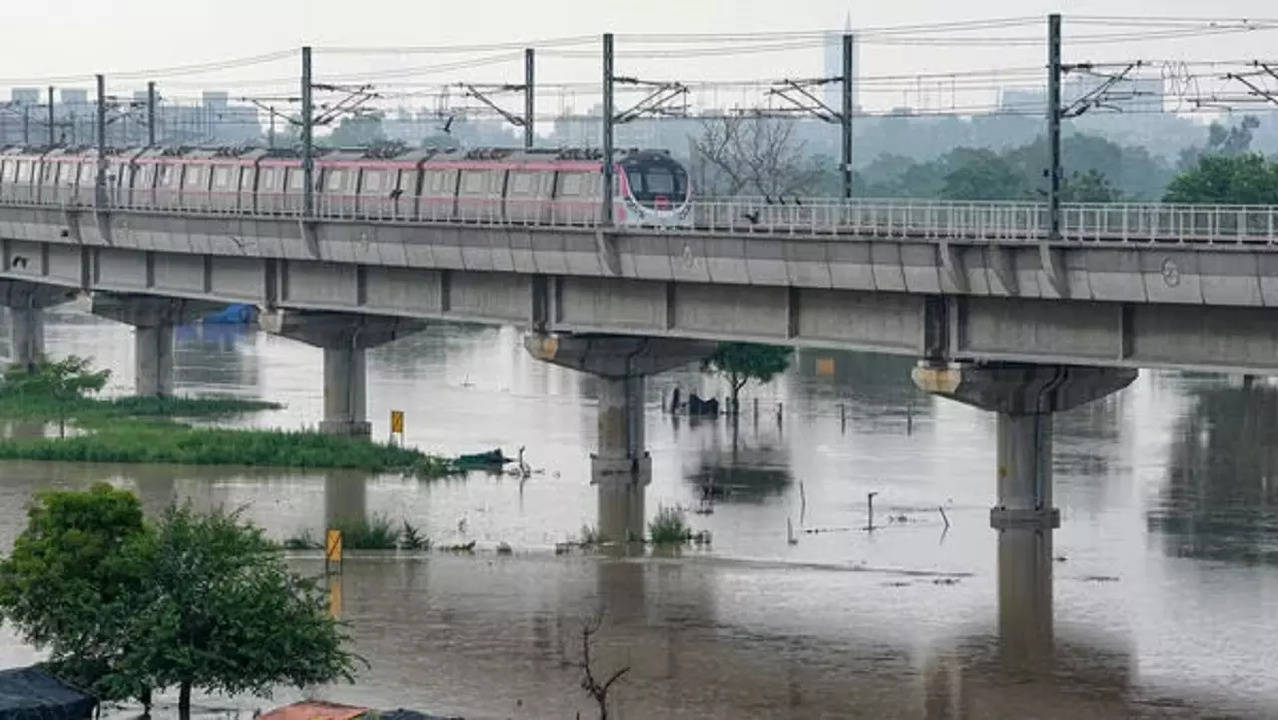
column 32, row 694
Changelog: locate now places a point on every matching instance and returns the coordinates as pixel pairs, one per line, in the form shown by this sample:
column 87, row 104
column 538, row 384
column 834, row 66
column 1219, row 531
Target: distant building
column 1134, row 95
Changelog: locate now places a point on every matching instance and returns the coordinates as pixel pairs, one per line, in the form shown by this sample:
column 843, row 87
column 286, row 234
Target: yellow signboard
column 397, row 421
column 825, row 367
column 333, row 547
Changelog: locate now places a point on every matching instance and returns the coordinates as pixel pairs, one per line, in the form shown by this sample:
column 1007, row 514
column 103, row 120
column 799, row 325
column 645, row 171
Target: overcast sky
column 48, row 37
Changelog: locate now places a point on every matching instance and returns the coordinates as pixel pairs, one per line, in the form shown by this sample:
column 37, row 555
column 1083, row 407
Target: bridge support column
column 26, row 301
column 1024, row 396
column 345, row 339
column 153, row 319
column 620, row 468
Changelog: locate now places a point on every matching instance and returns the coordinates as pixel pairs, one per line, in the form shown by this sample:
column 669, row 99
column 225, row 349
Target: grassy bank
column 133, row 440
column 143, row 430
column 88, row 412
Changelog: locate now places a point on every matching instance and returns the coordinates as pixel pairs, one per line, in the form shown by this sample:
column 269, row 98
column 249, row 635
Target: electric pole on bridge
column 607, row 128
column 528, row 98
column 101, row 180
column 51, row 143
column 308, row 149
column 845, row 117
column 26, row 125
column 1054, row 126
column 150, row 114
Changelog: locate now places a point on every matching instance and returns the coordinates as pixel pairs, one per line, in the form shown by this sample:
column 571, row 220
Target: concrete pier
column 26, row 302
column 345, row 338
column 153, row 319
column 1025, row 397
column 620, row 467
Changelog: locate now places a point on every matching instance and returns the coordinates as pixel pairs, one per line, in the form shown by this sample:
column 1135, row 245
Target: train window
column 246, row 179
column 521, row 183
column 335, row 179
column 194, row 178
column 222, row 177
column 269, row 180
column 570, row 184
column 474, row 182
column 25, row 168
column 374, row 181
column 295, row 179
column 69, row 171
column 46, row 173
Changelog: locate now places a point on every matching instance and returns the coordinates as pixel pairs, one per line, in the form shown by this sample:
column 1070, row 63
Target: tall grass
column 669, row 527
column 158, row 441
column 371, row 533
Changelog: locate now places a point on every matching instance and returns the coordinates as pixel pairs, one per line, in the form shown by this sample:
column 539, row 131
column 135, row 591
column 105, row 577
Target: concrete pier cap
column 153, row 319
column 621, row 362
column 345, row 338
column 1025, row 396
column 26, row 301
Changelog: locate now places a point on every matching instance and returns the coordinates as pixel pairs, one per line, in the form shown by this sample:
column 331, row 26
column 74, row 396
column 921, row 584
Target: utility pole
column 607, row 128
column 846, row 116
column 101, row 182
column 150, row 114
column 1054, row 126
column 51, row 143
column 308, row 151
column 270, row 137
column 26, row 126
column 528, row 98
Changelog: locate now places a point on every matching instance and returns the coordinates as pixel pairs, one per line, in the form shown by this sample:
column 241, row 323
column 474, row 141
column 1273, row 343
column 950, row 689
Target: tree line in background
column 763, row 156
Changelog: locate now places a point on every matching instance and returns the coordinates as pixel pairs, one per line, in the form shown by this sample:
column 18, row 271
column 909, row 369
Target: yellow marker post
column 825, row 367
column 333, row 551
column 397, row 425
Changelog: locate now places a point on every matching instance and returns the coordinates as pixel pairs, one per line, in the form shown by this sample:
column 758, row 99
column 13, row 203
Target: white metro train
column 489, row 184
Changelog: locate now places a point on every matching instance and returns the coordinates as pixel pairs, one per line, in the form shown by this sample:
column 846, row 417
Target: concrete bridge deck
column 891, row 284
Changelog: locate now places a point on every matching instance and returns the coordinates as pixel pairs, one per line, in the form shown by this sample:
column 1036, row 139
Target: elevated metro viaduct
column 1021, row 327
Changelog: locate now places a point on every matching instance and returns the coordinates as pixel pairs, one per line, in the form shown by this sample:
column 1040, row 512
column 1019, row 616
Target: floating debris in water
column 1100, row 578
column 504, row 548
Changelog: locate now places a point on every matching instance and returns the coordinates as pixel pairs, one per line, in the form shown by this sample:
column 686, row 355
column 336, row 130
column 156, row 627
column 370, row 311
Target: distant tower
column 834, row 65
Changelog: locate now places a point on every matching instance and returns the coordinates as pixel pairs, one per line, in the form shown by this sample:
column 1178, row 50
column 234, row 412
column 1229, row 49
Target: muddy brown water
column 1157, row 597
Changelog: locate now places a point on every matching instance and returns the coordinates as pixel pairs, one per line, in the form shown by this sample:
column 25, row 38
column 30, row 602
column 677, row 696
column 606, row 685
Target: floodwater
column 1157, row 597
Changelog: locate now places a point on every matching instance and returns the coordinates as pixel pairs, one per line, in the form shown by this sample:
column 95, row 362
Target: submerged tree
column 740, row 363
column 63, row 383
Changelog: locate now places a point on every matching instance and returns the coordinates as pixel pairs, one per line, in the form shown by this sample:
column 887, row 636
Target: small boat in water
column 493, row 459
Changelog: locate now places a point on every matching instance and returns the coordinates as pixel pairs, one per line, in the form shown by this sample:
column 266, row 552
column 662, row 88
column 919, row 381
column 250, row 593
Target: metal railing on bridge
column 851, row 219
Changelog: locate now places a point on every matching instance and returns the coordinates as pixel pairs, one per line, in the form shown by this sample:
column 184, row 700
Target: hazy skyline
column 80, row 37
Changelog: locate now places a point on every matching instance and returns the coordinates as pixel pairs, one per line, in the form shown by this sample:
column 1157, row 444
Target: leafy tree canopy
column 743, row 362
column 1246, row 179
column 66, row 574
column 193, row 601
column 221, row 611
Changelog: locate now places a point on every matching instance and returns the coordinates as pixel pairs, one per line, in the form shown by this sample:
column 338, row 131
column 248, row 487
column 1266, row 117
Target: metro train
column 488, row 184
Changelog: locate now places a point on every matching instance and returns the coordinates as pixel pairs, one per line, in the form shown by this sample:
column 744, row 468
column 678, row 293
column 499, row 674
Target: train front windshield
column 657, row 182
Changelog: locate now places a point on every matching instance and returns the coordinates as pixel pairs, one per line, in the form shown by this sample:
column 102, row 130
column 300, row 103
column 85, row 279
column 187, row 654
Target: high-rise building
column 833, row 48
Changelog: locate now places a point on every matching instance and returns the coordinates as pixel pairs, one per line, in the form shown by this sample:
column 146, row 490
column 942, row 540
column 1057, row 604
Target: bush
column 669, row 527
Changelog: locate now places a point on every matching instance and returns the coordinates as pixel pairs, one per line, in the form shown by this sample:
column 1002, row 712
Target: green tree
column 740, row 363
column 220, row 611
column 64, row 383
column 1246, row 179
column 981, row 175
column 357, row 131
column 1089, row 187
column 66, row 579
